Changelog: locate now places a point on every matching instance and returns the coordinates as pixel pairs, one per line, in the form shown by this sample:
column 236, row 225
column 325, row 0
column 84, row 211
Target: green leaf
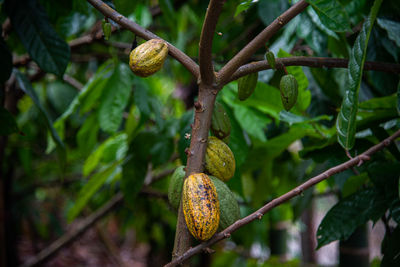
column 26, row 86
column 395, row 210
column 115, row 98
column 346, row 121
column 294, row 119
column 349, row 213
column 7, row 122
column 243, row 6
column 354, row 183
column 391, row 249
column 304, row 95
column 6, row 62
column 87, row 191
column 392, row 27
column 253, row 121
column 332, row 14
column 86, row 137
column 135, row 168
column 114, row 148
column 42, row 42
column 385, row 102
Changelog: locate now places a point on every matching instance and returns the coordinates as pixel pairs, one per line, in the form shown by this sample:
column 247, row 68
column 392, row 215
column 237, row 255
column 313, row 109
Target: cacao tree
column 108, row 104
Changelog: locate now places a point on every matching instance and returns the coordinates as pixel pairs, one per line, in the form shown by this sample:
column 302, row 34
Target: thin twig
column 206, row 39
column 313, row 62
column 108, row 12
column 226, row 72
column 284, row 198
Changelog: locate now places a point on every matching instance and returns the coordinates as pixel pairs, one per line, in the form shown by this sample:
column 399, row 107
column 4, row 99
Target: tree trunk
column 308, row 240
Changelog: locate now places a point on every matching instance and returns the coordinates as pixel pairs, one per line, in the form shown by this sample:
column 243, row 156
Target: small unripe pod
column 271, row 59
column 246, row 85
column 289, row 91
column 220, row 123
column 106, row 26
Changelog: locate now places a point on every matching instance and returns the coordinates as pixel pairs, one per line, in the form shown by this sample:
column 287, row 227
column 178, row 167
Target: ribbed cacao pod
column 219, row 159
column 175, row 187
column 289, row 91
column 200, row 206
column 220, row 123
column 229, row 208
column 148, row 58
column 271, row 59
column 246, row 85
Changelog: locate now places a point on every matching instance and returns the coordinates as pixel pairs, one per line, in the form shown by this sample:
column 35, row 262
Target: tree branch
column 108, row 12
column 206, row 39
column 284, row 198
column 226, row 72
column 313, row 62
column 195, row 156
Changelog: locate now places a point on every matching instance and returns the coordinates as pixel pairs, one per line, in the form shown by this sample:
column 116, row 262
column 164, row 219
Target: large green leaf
column 252, row 120
column 115, row 98
column 94, row 184
column 332, row 14
column 86, row 137
column 346, row 121
column 114, row 148
column 26, row 86
column 7, row 122
column 393, row 29
column 294, row 119
column 41, row 41
column 398, row 98
column 349, row 213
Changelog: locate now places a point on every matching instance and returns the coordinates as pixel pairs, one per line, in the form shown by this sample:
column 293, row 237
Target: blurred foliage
column 110, row 134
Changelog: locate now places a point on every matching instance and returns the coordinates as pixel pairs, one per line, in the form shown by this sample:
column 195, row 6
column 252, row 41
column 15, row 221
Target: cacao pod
column 289, row 91
column 219, row 159
column 271, row 59
column 246, row 85
column 175, row 187
column 200, row 206
column 220, row 123
column 229, row 208
column 106, row 26
column 148, row 58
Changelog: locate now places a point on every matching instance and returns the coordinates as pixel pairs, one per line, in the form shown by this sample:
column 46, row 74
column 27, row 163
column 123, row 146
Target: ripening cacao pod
column 148, row 58
column 271, row 59
column 246, row 85
column 200, row 206
column 220, row 123
column 219, row 159
column 175, row 187
column 289, row 91
column 229, row 208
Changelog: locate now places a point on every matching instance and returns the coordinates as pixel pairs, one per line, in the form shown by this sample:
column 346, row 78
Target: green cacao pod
column 106, row 26
column 148, row 58
column 289, row 91
column 271, row 59
column 200, row 206
column 220, row 123
column 229, row 208
column 246, row 85
column 175, row 187
column 219, row 159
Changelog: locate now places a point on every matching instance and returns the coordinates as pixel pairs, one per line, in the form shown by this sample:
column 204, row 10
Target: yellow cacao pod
column 219, row 159
column 200, row 206
column 148, row 58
